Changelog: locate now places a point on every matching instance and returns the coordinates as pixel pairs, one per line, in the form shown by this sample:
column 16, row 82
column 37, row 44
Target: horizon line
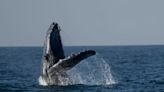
column 87, row 45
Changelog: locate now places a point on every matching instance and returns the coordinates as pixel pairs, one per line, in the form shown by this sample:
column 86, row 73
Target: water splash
column 42, row 81
column 92, row 71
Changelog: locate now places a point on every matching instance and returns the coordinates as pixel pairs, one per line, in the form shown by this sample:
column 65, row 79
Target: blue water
column 134, row 68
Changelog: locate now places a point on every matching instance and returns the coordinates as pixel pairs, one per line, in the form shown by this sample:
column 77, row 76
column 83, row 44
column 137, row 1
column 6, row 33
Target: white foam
column 42, row 81
column 92, row 71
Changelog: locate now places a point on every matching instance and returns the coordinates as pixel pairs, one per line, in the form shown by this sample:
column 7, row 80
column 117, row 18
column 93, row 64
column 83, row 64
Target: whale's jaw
column 55, row 64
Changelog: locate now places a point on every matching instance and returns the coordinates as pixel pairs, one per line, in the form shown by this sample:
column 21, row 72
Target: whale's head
column 55, row 64
column 53, row 45
column 54, row 32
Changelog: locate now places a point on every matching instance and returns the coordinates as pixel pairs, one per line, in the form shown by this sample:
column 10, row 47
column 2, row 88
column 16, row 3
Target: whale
column 54, row 62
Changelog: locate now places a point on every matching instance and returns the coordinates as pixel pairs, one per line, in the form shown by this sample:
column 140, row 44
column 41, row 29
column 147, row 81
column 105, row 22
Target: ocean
column 132, row 68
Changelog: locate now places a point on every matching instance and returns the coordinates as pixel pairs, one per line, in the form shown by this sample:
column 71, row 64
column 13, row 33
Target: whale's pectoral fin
column 74, row 59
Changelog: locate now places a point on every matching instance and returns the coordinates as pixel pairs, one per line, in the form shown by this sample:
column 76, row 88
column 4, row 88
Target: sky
column 83, row 22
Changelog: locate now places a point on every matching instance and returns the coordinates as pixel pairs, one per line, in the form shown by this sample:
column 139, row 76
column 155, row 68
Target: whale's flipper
column 74, row 59
column 71, row 61
column 53, row 49
column 54, row 61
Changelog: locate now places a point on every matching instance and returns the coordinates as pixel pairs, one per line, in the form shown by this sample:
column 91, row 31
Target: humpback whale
column 55, row 64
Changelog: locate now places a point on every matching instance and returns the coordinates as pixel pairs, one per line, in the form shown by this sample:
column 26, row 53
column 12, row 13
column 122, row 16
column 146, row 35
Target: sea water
column 113, row 68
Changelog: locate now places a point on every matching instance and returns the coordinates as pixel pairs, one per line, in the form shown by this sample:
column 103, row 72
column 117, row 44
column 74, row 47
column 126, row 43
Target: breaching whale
column 55, row 64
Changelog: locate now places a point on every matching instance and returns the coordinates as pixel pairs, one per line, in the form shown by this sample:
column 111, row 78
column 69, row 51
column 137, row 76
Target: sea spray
column 92, row 71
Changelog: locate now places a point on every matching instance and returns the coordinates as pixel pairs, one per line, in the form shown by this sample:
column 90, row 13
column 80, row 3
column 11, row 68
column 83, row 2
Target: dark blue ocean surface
column 134, row 68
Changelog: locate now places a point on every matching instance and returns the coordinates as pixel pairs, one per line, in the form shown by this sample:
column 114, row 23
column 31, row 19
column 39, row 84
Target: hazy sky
column 83, row 22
